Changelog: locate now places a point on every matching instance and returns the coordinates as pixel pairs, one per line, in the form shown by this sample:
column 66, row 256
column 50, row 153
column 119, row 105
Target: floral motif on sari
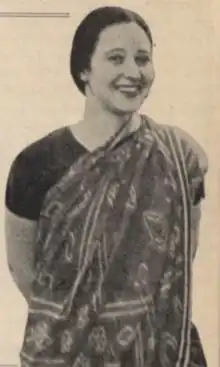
column 114, row 235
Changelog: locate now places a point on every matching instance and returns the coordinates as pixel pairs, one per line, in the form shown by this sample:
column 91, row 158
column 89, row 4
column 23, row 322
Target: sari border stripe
column 185, row 334
column 190, row 253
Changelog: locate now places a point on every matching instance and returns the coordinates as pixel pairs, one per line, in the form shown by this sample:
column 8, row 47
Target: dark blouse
column 39, row 166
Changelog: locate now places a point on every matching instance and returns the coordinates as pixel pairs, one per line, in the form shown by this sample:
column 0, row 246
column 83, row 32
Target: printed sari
column 113, row 270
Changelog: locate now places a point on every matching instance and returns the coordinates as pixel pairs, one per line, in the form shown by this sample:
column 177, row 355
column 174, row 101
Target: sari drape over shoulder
column 113, row 268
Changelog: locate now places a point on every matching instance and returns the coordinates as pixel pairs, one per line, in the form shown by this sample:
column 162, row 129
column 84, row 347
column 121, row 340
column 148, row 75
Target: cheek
column 101, row 79
column 149, row 73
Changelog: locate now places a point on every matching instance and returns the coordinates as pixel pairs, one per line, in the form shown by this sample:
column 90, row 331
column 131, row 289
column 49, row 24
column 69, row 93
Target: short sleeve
column 196, row 173
column 26, row 185
column 35, row 170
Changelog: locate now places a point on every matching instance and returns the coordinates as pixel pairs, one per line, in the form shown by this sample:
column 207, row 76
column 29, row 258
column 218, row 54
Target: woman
column 107, row 221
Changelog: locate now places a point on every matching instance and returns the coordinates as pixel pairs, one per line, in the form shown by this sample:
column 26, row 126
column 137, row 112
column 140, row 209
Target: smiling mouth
column 129, row 90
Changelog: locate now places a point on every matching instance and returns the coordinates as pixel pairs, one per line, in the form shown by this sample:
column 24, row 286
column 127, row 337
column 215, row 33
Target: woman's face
column 121, row 69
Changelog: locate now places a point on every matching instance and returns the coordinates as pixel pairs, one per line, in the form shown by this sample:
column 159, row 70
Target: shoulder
column 195, row 157
column 34, row 170
column 194, row 146
column 45, row 146
column 40, row 154
column 190, row 145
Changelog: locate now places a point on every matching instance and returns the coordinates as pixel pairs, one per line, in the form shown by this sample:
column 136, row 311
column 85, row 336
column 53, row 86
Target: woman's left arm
column 195, row 225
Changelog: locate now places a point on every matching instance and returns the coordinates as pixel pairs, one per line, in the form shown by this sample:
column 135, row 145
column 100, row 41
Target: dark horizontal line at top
column 33, row 15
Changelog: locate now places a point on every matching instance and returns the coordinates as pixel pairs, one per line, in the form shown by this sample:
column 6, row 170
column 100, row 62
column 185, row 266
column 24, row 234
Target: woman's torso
column 39, row 166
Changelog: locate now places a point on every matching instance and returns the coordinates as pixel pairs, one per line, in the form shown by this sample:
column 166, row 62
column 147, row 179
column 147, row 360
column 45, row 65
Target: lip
column 129, row 90
column 128, row 86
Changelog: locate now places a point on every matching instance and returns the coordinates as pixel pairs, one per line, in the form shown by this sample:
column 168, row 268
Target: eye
column 116, row 59
column 142, row 60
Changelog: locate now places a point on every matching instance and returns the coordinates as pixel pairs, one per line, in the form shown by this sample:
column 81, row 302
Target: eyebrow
column 144, row 51
column 120, row 49
column 115, row 49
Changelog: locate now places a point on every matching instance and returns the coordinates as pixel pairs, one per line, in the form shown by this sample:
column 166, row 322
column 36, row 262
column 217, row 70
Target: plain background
column 37, row 96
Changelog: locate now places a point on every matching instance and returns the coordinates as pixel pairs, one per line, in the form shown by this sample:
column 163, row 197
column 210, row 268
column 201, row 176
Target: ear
column 84, row 76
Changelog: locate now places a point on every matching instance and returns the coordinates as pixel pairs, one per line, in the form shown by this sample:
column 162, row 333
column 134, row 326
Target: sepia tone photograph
column 109, row 235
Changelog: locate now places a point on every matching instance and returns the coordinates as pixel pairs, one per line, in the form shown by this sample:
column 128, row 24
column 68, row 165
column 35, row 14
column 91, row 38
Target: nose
column 131, row 69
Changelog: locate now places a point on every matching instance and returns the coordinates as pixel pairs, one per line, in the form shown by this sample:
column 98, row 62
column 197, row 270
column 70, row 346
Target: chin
column 124, row 111
column 127, row 108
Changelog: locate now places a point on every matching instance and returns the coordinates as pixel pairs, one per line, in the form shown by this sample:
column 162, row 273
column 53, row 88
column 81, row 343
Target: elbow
column 22, row 274
column 19, row 240
column 22, row 279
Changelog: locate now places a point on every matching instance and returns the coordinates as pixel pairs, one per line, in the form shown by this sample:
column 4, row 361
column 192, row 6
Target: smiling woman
column 121, row 77
column 121, row 71
column 104, row 214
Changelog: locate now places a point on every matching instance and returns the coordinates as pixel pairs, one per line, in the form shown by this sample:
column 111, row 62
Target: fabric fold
column 113, row 274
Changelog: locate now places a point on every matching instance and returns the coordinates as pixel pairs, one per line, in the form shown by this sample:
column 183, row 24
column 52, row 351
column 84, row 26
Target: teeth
column 128, row 88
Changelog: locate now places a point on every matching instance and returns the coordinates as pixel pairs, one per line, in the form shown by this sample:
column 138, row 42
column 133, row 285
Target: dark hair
column 87, row 35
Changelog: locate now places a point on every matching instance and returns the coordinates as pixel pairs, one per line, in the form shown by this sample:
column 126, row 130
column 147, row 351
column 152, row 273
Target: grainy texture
column 37, row 96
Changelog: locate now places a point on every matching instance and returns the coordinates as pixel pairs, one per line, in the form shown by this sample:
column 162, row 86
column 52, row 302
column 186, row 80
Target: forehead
column 123, row 35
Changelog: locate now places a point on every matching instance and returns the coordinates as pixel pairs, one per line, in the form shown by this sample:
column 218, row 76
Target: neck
column 99, row 124
column 102, row 122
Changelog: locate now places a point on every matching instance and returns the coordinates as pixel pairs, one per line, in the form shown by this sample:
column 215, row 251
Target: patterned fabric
column 113, row 274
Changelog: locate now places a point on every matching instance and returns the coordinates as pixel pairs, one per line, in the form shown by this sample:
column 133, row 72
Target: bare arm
column 195, row 225
column 20, row 236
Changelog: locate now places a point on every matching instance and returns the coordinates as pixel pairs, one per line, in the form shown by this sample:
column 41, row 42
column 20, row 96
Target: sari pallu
column 113, row 271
